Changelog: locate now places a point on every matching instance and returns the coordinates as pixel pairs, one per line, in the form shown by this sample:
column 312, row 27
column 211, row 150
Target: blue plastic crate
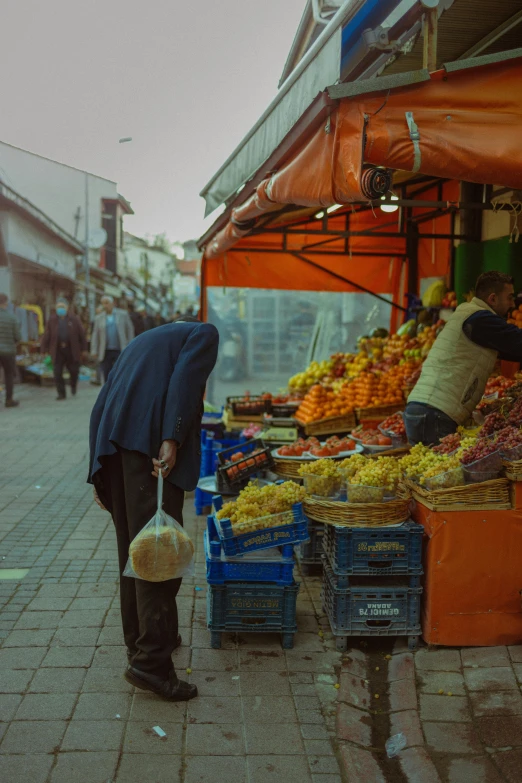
column 252, row 608
column 272, row 565
column 293, row 532
column 369, row 610
column 382, row 551
column 309, row 552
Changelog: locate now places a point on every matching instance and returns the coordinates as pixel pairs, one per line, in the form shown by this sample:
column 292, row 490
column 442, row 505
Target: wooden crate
column 331, row 426
column 379, row 412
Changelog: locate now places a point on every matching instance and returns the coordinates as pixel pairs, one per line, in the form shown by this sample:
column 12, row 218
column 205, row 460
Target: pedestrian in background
column 112, row 332
column 65, row 340
column 9, row 339
column 147, row 418
column 137, row 320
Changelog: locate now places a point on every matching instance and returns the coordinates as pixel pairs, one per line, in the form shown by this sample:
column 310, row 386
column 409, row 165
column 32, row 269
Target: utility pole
column 86, row 248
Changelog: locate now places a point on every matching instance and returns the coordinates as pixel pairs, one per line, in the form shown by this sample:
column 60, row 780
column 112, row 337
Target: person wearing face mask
column 64, row 339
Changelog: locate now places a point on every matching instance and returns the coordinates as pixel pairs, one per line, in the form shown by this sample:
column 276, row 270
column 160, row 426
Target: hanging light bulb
column 389, row 207
column 319, row 215
column 334, row 207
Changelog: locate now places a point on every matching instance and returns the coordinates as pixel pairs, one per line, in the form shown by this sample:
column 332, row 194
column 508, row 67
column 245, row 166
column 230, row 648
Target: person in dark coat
column 64, row 339
column 137, row 320
column 148, row 418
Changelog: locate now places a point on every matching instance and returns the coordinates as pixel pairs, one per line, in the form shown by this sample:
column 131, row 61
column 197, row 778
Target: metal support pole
column 86, row 250
column 430, row 32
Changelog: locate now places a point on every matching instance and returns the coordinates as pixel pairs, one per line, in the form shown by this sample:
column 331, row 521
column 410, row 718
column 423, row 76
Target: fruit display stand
column 333, row 425
column 473, row 567
column 341, row 513
column 491, row 495
column 377, row 413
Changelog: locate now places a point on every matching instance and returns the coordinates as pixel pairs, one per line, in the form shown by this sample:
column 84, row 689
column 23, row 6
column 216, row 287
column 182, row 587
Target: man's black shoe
column 170, row 689
column 12, row 404
column 130, row 654
column 61, row 397
column 73, row 391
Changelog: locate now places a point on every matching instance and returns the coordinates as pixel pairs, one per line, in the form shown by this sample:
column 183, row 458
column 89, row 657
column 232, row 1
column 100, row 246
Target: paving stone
column 309, row 702
column 224, row 739
column 510, row 764
column 9, row 703
column 75, row 637
column 46, row 706
column 140, row 738
column 268, row 769
column 31, row 768
column 485, row 656
column 99, row 735
column 501, row 731
column 269, row 709
column 438, row 660
column 312, row 731
column 318, row 747
column 262, row 739
column 82, row 768
column 215, row 660
column 417, row 767
column 472, row 770
column 69, row 656
column 488, row 703
column 33, row 736
column 22, row 657
column 491, row 679
column 361, row 765
column 515, row 653
column 147, row 707
column 401, row 667
column 458, row 738
column 263, row 684
column 56, row 680
column 92, row 602
column 355, row 662
column 258, row 661
column 326, row 778
column 219, row 709
column 322, row 662
column 219, row 683
column 445, row 708
column 323, row 764
column 15, row 681
column 102, row 706
column 402, row 695
column 105, row 680
column 354, row 691
column 433, row 682
column 110, row 635
column 354, row 725
column 110, row 657
column 87, row 618
column 49, row 603
column 39, row 638
column 149, row 768
column 407, row 722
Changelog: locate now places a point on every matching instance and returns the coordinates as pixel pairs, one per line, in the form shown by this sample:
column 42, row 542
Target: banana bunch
column 434, row 294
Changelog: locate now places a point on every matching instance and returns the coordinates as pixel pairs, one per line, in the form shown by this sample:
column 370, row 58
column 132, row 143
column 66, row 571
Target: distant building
column 62, row 193
column 38, row 258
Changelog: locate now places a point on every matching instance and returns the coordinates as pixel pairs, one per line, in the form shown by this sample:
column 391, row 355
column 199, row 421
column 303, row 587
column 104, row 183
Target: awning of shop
column 319, row 67
column 462, row 122
column 36, row 269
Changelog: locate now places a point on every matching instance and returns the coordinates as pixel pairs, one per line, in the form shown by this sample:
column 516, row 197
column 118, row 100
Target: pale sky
column 185, row 79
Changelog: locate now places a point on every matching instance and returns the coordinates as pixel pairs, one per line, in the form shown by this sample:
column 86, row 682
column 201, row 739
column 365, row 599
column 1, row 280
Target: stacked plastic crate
column 250, row 577
column 372, row 581
column 210, row 448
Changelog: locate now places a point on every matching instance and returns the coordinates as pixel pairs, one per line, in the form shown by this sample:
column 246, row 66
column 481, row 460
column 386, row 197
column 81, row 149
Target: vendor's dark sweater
column 155, row 393
column 492, row 331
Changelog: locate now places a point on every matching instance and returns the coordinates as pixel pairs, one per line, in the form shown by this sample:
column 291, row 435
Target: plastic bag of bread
column 162, row 550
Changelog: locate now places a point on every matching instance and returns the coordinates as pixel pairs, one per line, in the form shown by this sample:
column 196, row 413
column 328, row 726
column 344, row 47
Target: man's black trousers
column 8, row 362
column 64, row 358
column 148, row 609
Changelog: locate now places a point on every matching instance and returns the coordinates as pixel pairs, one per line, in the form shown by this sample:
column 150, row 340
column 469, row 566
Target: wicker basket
column 287, row 468
column 492, row 495
column 513, row 470
column 380, row 412
column 334, row 512
column 330, row 426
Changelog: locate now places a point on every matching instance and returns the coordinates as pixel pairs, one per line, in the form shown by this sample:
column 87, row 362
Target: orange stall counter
column 473, row 567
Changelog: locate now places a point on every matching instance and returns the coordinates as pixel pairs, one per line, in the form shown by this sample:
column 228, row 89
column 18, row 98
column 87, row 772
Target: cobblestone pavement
column 67, row 715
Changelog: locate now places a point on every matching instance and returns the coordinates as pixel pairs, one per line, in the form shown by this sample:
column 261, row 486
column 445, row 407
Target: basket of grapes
column 260, row 518
column 482, row 462
column 322, row 478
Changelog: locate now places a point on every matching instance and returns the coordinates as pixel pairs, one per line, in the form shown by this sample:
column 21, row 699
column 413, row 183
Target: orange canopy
column 459, row 124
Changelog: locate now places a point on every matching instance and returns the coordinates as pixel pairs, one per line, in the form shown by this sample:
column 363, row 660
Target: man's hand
column 98, row 501
column 166, row 458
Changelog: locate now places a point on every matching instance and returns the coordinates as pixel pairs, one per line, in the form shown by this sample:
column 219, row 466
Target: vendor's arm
column 491, row 331
column 187, row 384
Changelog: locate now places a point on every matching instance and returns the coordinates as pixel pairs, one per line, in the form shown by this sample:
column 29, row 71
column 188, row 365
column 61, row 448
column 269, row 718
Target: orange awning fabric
column 462, row 125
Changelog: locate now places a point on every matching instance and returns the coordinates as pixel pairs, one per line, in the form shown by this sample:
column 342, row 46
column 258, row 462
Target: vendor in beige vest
column 455, row 374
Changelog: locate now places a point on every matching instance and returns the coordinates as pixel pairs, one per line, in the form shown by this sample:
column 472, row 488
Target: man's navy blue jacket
column 155, row 393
